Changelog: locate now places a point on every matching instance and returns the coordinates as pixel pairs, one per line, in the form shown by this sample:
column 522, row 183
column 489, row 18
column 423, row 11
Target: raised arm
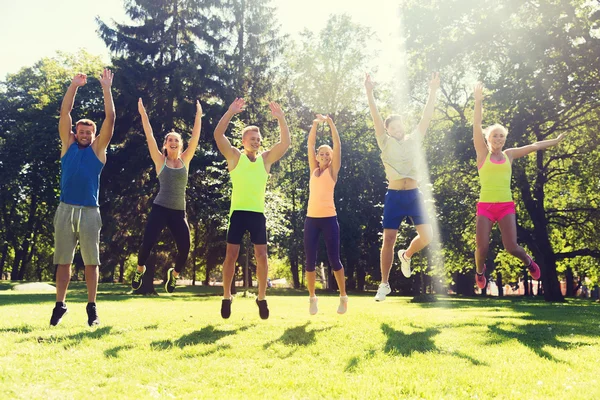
column 280, row 147
column 157, row 157
column 377, row 120
column 312, row 140
column 434, row 84
column 225, row 147
column 478, row 141
column 518, row 152
column 188, row 154
column 65, row 122
column 108, row 126
column 336, row 162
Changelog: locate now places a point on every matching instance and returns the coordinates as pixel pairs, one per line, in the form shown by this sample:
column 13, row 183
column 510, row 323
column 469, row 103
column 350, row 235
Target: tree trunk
column 122, row 271
column 526, row 291
column 465, row 284
column 499, row 284
column 3, row 259
column 570, row 282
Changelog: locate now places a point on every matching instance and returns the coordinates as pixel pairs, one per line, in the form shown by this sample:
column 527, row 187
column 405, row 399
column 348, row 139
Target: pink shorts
column 496, row 211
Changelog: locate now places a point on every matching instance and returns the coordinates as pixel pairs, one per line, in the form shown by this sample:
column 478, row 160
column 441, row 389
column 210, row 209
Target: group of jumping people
column 83, row 156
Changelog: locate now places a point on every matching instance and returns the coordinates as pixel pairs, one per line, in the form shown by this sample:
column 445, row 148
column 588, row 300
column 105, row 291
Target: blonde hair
column 324, row 146
column 487, row 131
column 172, row 133
column 250, row 128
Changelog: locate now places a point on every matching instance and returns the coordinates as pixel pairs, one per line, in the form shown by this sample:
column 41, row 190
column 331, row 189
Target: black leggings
column 177, row 223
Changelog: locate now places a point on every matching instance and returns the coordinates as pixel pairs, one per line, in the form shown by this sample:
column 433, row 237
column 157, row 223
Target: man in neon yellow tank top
column 249, row 172
column 495, row 200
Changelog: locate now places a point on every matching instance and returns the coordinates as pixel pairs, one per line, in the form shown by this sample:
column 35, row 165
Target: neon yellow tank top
column 249, row 181
column 495, row 181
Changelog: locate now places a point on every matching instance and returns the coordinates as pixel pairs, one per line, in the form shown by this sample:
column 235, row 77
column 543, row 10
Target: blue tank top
column 80, row 176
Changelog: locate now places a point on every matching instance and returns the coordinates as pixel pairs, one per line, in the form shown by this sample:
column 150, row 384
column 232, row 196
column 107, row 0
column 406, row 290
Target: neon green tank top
column 249, row 181
column 495, row 181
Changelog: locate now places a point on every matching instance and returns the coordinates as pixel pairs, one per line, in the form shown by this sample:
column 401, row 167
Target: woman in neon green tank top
column 495, row 200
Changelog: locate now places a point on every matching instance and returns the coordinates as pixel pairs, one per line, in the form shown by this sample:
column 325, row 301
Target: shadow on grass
column 76, row 338
column 402, row 344
column 207, row 335
column 114, row 352
column 405, row 344
column 18, row 329
column 534, row 337
column 295, row 337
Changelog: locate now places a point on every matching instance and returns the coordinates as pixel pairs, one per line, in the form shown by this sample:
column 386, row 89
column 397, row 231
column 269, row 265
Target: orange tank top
column 320, row 198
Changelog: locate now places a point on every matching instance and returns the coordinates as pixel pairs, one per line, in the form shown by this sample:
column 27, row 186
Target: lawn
column 177, row 346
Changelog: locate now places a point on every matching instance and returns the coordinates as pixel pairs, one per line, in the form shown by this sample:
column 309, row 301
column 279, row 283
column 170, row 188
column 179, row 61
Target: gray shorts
column 77, row 223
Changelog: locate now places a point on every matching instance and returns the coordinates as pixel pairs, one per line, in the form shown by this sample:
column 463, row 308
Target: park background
column 539, row 60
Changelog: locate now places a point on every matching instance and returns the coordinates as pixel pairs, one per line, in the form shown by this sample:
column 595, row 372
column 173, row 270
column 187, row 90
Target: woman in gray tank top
column 168, row 209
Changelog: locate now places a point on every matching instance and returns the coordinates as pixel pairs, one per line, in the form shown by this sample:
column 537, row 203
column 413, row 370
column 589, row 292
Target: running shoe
column 481, row 279
column 343, row 307
column 383, row 290
column 170, row 285
column 57, row 313
column 313, row 309
column 534, row 269
column 136, row 283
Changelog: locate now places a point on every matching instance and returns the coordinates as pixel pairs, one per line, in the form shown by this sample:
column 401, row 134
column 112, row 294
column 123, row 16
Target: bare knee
column 260, row 253
column 512, row 249
column 389, row 238
column 426, row 235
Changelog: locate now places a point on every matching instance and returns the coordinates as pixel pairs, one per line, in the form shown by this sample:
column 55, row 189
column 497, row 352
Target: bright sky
column 32, row 29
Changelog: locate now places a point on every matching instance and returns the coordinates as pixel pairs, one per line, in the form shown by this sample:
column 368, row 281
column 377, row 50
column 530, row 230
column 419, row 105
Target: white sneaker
column 313, row 309
column 383, row 290
column 343, row 307
column 404, row 264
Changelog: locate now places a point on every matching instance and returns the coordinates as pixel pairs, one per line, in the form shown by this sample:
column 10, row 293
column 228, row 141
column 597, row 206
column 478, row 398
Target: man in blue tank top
column 77, row 218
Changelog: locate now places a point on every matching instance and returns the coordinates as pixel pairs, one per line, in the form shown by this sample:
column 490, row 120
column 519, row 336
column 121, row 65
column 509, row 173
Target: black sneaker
column 59, row 310
column 263, row 309
column 226, row 308
column 92, row 314
column 170, row 285
column 136, row 283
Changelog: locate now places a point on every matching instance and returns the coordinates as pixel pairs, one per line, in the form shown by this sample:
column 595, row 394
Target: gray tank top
column 173, row 182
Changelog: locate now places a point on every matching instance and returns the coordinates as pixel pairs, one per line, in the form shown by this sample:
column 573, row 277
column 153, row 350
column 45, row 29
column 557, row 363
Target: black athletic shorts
column 242, row 221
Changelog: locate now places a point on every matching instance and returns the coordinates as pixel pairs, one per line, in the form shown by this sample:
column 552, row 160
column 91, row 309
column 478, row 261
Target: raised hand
column 79, row 80
column 369, row 84
column 198, row 108
column 434, row 83
column 276, row 110
column 106, row 78
column 319, row 119
column 237, row 106
column 141, row 108
column 560, row 137
column 478, row 92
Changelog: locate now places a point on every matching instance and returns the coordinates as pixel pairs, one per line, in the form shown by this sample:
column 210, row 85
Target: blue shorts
column 403, row 205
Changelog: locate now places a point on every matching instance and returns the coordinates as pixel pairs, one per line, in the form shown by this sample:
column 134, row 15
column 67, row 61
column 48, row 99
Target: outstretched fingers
column 276, row 110
column 237, row 106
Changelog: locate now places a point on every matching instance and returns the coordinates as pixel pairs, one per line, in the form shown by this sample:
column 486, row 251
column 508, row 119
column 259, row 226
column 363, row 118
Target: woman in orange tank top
column 321, row 215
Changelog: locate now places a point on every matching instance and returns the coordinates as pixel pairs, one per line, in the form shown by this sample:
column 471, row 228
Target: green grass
column 179, row 347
